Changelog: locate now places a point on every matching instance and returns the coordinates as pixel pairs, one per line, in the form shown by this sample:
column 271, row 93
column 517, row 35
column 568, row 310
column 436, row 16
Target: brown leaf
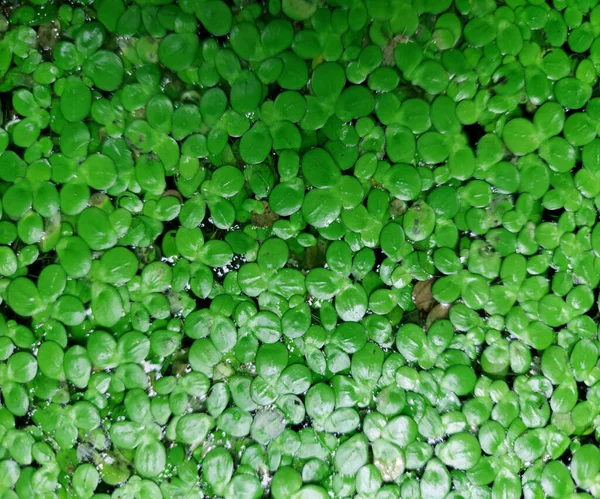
column 440, row 311
column 48, row 35
column 265, row 219
column 422, row 295
column 397, row 208
column 174, row 193
column 99, row 199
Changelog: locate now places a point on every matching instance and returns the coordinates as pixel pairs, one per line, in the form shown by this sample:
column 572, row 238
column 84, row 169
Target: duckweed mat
column 299, row 249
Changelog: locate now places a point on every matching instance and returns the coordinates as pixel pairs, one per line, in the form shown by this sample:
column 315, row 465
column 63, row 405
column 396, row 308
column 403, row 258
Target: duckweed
column 299, row 249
